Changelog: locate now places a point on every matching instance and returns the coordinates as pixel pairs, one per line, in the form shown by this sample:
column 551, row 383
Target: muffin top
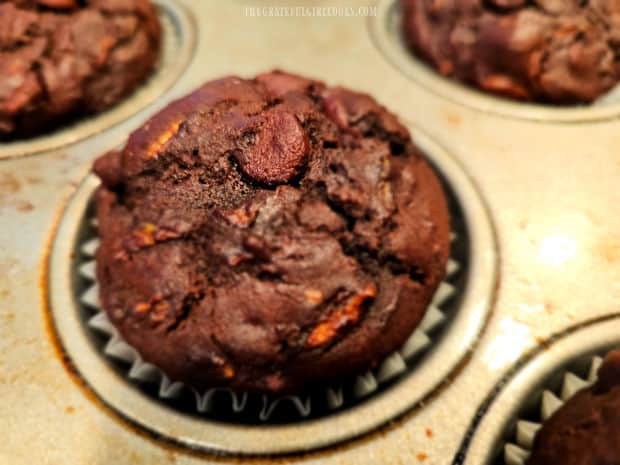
column 63, row 58
column 268, row 233
column 559, row 51
column 586, row 429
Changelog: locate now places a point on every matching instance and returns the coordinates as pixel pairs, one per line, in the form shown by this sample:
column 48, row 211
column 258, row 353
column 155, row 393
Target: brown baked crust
column 60, row 59
column 269, row 233
column 558, row 51
column 586, row 430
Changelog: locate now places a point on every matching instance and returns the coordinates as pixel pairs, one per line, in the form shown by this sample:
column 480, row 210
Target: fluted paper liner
column 518, row 450
column 365, row 384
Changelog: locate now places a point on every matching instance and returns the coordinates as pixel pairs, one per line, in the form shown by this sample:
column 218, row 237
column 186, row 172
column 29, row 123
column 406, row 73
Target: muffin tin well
column 244, row 408
column 245, row 431
column 507, row 421
column 385, row 30
column 177, row 49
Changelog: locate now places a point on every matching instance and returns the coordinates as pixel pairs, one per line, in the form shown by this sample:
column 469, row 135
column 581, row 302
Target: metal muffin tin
column 548, row 177
column 213, row 433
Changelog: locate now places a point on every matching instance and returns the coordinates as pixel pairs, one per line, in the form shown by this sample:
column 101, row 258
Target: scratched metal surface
column 550, row 186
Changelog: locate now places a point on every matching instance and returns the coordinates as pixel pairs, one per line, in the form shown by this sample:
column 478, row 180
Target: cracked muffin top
column 267, row 234
column 60, row 59
column 586, row 429
column 556, row 51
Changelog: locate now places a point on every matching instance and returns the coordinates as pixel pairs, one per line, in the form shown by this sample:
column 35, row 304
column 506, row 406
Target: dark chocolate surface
column 559, row 51
column 267, row 234
column 60, row 59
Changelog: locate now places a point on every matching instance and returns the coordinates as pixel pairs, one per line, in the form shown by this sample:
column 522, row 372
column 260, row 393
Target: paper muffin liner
column 518, row 449
column 365, row 384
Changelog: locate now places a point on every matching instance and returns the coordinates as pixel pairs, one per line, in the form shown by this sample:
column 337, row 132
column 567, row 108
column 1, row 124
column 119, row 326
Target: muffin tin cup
column 518, row 450
column 387, row 393
column 506, row 425
column 177, row 49
column 385, row 30
column 395, row 364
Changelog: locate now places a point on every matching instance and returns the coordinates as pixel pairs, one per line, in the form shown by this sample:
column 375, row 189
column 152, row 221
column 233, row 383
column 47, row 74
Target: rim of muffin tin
column 385, row 30
column 177, row 50
column 521, row 392
column 212, row 435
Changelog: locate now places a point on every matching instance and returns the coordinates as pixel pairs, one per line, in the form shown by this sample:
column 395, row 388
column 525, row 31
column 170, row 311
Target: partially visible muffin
column 586, row 430
column 60, row 59
column 268, row 234
column 557, row 51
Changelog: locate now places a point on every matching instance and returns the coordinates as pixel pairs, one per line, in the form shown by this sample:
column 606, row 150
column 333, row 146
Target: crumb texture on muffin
column 268, row 233
column 557, row 51
column 586, row 430
column 60, row 59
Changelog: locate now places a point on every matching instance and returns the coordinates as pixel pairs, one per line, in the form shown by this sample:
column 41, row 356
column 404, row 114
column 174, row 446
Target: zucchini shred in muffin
column 269, row 234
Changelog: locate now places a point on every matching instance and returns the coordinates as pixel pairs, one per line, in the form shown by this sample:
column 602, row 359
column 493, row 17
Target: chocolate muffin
column 268, row 234
column 586, row 429
column 60, row 59
column 556, row 51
